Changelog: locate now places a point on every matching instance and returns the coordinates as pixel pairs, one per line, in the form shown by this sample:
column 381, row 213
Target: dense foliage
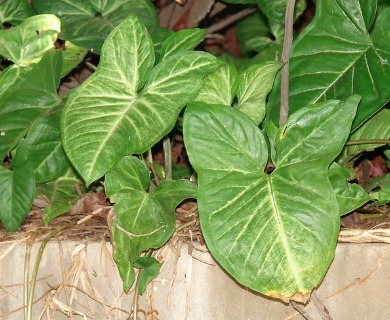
column 275, row 230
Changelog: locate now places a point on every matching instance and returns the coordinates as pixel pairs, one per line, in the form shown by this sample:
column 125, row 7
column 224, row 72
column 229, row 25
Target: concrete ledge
column 356, row 286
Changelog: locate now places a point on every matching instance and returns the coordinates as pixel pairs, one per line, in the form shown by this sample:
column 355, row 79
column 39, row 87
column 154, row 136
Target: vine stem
column 287, row 44
column 167, row 157
column 372, row 141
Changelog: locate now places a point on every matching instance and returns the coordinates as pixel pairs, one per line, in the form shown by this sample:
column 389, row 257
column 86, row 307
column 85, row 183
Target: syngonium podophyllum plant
column 275, row 230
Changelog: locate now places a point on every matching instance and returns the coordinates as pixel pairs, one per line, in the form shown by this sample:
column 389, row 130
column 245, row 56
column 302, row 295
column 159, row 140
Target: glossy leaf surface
column 16, row 195
column 182, row 40
column 219, row 87
column 336, row 56
column 108, row 117
column 18, row 111
column 28, row 41
column 255, row 83
column 142, row 220
column 88, row 23
column 43, row 148
column 150, row 269
column 274, row 233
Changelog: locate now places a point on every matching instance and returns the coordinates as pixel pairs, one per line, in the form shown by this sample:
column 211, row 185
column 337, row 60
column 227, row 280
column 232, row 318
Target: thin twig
column 302, row 311
column 322, row 310
column 287, row 44
column 228, row 21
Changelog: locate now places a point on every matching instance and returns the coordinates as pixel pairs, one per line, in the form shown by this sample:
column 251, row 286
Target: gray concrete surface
column 356, row 286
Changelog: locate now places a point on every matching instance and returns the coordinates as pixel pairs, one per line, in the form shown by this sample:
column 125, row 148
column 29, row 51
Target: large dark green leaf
column 15, row 11
column 16, row 195
column 25, row 92
column 142, row 220
column 27, row 42
column 88, row 23
column 108, row 117
column 43, row 147
column 273, row 233
column 335, row 56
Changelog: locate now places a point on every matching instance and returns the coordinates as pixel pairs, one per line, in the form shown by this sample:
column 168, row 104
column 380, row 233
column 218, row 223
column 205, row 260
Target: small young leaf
column 150, row 269
column 220, row 86
column 255, row 83
column 182, row 40
column 16, row 195
column 61, row 193
column 350, row 196
column 27, row 42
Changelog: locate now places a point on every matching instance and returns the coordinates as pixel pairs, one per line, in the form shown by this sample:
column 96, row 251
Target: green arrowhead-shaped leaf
column 27, row 42
column 16, row 195
column 255, row 83
column 350, row 196
column 15, row 11
column 143, row 221
column 61, row 193
column 24, row 94
column 108, row 117
column 220, row 86
column 88, row 23
column 150, row 269
column 43, row 148
column 274, row 233
column 182, row 40
column 335, row 56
